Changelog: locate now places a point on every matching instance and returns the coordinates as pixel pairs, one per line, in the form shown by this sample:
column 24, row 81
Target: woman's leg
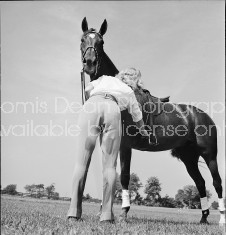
column 110, row 143
column 89, row 131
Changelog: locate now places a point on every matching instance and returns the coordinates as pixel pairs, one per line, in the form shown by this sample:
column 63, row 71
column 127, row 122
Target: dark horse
column 184, row 129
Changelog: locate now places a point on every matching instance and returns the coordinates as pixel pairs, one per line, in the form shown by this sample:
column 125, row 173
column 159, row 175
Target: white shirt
column 122, row 92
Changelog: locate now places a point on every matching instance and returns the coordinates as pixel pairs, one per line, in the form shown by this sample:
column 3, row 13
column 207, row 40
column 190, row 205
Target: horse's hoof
column 125, row 209
column 107, row 222
column 123, row 215
column 205, row 214
column 204, row 221
column 73, row 219
column 122, row 219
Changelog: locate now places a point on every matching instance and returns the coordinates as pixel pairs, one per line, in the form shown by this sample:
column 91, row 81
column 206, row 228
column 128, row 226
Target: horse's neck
column 106, row 68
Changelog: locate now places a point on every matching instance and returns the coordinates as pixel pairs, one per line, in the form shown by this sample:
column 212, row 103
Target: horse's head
column 92, row 47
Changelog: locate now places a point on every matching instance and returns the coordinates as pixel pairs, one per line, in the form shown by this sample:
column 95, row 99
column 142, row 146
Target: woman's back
column 111, row 85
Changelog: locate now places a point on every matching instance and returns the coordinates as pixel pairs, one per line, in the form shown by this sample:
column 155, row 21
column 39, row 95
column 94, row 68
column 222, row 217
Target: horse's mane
column 111, row 65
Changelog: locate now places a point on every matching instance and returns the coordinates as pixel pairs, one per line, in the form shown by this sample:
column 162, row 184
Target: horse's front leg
column 125, row 159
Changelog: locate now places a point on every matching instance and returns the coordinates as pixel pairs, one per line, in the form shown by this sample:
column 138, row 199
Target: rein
column 83, row 85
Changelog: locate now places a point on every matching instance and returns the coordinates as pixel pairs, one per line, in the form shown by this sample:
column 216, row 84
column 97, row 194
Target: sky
column 177, row 45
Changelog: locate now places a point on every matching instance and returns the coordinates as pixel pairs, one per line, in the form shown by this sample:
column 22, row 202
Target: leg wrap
column 204, row 203
column 221, row 204
column 125, row 198
column 222, row 211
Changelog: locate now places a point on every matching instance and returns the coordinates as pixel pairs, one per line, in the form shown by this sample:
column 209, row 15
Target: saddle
column 150, row 104
column 156, row 104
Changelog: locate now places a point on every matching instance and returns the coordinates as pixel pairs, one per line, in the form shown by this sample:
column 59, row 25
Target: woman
column 100, row 116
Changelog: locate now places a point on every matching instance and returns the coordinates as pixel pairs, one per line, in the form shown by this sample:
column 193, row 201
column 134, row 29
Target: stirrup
column 153, row 143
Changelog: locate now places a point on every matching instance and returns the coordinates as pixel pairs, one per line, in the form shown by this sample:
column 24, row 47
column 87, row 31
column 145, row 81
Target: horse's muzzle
column 90, row 66
column 90, row 62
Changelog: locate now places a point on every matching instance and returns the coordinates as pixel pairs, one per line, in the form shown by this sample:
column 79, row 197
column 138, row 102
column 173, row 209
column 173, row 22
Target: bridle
column 99, row 59
column 95, row 50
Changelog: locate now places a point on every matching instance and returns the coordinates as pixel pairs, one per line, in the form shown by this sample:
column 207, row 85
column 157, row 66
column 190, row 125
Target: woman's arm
column 134, row 110
column 141, row 126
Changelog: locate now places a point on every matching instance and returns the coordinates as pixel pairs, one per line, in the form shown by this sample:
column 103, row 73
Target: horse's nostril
column 89, row 62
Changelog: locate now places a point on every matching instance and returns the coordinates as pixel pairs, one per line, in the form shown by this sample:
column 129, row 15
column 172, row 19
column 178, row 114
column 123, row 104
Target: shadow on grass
column 133, row 220
column 137, row 220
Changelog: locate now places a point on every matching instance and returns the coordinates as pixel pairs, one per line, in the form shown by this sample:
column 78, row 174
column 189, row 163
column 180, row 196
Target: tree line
column 33, row 190
column 187, row 197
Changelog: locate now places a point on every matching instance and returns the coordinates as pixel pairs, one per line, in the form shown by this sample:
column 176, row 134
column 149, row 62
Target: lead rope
column 83, row 85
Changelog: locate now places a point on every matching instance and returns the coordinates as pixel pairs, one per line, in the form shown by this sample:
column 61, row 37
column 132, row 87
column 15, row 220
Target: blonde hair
column 131, row 77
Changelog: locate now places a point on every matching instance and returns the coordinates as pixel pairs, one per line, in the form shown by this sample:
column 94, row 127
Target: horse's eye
column 82, row 40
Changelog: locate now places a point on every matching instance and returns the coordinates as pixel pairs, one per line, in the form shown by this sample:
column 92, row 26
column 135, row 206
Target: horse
column 184, row 129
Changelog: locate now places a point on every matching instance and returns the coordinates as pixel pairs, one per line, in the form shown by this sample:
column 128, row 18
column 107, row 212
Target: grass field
column 30, row 216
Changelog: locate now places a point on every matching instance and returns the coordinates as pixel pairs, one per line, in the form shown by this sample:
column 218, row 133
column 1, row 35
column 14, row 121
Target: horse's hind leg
column 211, row 161
column 206, row 139
column 191, row 163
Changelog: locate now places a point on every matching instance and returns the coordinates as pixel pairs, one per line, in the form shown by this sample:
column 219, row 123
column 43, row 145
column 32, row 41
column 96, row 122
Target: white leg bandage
column 204, row 203
column 222, row 219
column 125, row 198
column 221, row 204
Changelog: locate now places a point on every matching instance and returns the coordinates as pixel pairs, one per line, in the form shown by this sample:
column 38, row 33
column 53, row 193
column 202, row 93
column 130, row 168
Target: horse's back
column 173, row 124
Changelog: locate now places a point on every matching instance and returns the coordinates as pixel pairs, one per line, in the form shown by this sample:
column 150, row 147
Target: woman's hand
column 143, row 132
column 88, row 89
column 140, row 125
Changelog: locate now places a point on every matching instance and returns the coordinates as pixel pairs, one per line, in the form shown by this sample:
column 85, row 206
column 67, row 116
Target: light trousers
column 99, row 117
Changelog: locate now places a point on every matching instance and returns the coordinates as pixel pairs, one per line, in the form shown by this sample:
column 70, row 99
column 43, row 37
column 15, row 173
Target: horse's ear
column 103, row 28
column 84, row 25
